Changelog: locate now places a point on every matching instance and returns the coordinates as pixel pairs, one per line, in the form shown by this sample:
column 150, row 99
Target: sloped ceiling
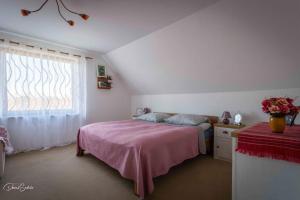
column 112, row 23
column 232, row 45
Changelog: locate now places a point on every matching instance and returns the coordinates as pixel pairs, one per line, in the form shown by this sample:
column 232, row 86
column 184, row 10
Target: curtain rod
column 49, row 50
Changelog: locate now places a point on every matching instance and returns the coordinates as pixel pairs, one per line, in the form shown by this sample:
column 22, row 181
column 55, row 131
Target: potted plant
column 278, row 108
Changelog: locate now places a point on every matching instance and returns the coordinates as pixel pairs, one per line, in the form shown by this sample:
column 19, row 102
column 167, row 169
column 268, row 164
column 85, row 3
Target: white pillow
column 154, row 117
column 186, row 119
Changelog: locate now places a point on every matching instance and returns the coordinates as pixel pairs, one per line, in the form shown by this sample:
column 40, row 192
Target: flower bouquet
column 278, row 108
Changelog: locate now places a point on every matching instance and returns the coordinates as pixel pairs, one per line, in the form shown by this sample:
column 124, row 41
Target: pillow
column 154, row 117
column 186, row 119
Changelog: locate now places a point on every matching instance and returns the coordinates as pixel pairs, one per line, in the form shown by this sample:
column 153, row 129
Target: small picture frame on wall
column 101, row 71
column 101, row 84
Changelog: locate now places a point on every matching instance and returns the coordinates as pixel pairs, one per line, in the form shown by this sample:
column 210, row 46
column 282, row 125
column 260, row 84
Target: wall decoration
column 101, row 71
column 104, row 82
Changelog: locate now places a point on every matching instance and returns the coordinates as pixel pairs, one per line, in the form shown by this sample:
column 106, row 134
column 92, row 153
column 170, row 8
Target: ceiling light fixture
column 58, row 2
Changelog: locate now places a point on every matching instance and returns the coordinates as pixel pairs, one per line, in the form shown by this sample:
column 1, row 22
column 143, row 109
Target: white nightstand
column 222, row 140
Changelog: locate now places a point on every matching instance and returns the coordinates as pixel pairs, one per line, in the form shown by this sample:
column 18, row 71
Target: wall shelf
column 104, row 82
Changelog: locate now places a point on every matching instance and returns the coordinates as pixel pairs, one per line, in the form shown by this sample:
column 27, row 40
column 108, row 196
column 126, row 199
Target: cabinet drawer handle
column 218, row 146
column 225, row 132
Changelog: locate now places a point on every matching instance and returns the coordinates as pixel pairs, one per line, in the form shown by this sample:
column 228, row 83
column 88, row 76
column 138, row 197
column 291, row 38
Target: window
column 40, row 82
column 42, row 96
column 34, row 83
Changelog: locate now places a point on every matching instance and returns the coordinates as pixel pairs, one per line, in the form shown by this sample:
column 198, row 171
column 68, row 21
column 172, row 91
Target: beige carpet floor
column 57, row 174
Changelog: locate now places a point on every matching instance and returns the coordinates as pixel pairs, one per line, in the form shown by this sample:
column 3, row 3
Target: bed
column 142, row 150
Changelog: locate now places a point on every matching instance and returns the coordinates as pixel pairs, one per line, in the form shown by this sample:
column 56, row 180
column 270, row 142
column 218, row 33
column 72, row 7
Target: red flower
column 279, row 105
column 290, row 100
column 265, row 103
column 265, row 109
column 284, row 109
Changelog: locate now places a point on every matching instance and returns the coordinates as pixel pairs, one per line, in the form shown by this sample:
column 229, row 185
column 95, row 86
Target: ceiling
column 112, row 23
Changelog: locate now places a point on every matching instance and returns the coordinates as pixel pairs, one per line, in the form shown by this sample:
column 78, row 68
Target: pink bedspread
column 139, row 150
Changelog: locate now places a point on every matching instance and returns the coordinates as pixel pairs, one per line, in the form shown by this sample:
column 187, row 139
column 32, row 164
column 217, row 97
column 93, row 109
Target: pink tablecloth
column 258, row 140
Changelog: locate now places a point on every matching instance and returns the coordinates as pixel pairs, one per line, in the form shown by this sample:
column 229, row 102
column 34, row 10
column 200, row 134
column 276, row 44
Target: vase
column 277, row 124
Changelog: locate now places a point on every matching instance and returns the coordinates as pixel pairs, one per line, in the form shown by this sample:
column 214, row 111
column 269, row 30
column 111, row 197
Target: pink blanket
column 139, row 150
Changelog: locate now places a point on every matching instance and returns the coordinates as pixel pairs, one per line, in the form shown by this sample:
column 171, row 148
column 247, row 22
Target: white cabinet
column 256, row 178
column 223, row 149
column 222, row 141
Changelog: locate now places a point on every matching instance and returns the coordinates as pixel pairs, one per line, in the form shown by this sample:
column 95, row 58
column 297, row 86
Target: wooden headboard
column 211, row 119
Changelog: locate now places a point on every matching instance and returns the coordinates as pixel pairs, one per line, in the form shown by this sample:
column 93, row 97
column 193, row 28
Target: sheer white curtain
column 42, row 102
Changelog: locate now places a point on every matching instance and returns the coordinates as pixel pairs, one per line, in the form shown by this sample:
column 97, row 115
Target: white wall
column 248, row 103
column 228, row 56
column 106, row 105
column 232, row 45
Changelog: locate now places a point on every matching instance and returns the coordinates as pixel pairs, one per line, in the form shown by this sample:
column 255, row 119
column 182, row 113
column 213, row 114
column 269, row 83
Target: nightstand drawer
column 223, row 132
